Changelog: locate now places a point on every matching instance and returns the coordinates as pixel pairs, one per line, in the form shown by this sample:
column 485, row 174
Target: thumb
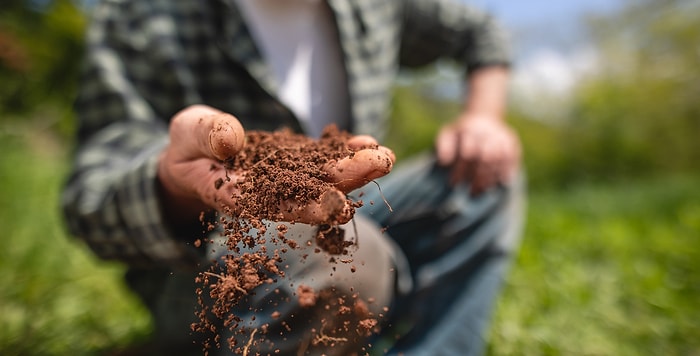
column 446, row 146
column 202, row 131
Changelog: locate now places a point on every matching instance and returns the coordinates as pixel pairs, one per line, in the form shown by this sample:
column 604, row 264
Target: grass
column 55, row 297
column 603, row 270
column 606, row 270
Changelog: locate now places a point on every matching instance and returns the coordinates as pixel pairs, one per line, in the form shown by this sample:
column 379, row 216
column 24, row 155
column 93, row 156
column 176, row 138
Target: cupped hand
column 479, row 150
column 201, row 138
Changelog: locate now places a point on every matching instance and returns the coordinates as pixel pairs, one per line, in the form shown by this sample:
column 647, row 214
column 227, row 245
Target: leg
column 171, row 300
column 350, row 288
column 458, row 248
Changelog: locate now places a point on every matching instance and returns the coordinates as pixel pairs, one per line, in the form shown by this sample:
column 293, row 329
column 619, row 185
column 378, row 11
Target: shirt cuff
column 152, row 240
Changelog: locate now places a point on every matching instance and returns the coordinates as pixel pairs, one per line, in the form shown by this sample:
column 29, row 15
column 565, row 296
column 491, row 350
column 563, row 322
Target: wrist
column 487, row 93
column 480, row 117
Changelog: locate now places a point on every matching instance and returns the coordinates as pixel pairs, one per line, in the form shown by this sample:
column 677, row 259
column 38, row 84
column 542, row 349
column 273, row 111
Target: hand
column 368, row 162
column 202, row 137
column 480, row 150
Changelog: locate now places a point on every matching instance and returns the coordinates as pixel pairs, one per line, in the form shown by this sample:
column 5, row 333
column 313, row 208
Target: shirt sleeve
column 434, row 29
column 111, row 197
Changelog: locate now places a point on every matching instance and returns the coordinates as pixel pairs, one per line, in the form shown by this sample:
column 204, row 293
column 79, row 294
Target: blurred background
column 605, row 96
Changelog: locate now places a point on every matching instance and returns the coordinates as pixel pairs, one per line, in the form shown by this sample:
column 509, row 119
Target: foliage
column 639, row 114
column 40, row 58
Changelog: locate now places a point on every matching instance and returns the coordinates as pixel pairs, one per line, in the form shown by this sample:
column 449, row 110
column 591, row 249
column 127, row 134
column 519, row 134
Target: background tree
column 639, row 114
column 40, row 46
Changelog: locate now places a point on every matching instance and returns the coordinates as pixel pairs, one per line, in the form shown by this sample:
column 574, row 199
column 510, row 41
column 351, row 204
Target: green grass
column 603, row 270
column 606, row 270
column 55, row 297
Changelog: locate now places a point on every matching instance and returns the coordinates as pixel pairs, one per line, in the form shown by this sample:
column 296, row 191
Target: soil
column 280, row 166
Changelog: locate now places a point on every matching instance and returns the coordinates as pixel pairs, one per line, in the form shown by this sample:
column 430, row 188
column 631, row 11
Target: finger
column 226, row 135
column 216, row 135
column 512, row 163
column 502, row 155
column 510, row 171
column 331, row 208
column 361, row 168
column 202, row 179
column 467, row 156
column 498, row 163
column 360, row 142
column 485, row 176
column 217, row 185
column 446, row 147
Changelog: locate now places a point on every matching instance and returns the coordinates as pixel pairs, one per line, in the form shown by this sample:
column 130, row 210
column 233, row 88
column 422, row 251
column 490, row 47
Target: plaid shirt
column 146, row 60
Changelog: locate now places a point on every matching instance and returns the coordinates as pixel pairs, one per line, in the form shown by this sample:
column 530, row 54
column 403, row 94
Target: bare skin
column 479, row 147
column 202, row 137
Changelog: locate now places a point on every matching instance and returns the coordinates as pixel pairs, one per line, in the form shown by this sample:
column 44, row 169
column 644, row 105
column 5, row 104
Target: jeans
column 447, row 254
column 458, row 248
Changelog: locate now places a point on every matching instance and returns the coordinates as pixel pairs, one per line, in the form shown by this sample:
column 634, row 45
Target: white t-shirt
column 299, row 41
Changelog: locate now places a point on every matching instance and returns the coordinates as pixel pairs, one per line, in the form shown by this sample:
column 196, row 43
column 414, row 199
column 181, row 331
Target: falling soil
column 279, row 167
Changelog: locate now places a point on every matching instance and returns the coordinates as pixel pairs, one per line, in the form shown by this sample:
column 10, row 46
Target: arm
column 112, row 199
column 478, row 147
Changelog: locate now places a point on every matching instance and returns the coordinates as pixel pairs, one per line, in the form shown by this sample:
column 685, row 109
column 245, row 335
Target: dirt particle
column 279, row 167
column 306, row 296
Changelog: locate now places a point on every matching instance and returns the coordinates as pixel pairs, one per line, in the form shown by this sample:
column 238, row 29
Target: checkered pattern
column 146, row 60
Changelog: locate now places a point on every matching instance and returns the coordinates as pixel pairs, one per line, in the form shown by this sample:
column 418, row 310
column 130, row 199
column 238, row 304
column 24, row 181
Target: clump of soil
column 282, row 166
column 279, row 167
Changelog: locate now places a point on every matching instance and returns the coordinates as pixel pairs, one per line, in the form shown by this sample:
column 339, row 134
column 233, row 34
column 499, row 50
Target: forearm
column 112, row 200
column 487, row 91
